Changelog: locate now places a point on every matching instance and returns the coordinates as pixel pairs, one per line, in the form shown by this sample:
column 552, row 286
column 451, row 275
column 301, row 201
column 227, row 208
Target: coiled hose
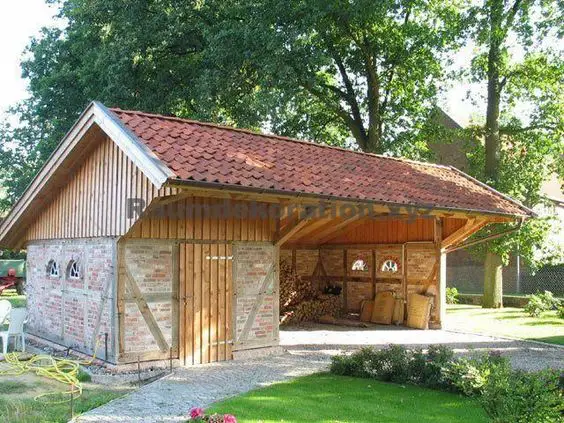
column 60, row 369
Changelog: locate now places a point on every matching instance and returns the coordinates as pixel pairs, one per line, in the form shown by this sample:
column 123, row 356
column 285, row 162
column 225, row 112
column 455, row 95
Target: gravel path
column 169, row 399
column 324, row 340
column 308, row 350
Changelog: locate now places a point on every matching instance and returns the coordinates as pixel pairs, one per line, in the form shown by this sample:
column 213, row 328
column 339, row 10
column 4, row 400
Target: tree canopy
column 358, row 73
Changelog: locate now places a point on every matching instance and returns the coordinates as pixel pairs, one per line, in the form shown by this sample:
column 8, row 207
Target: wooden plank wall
column 395, row 231
column 205, row 291
column 186, row 220
column 93, row 203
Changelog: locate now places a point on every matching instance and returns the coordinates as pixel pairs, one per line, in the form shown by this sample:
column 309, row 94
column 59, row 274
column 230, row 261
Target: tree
column 357, row 73
column 339, row 68
column 522, row 148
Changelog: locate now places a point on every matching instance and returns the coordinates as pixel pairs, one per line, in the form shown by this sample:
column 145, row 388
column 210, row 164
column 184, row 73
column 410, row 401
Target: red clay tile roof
column 204, row 152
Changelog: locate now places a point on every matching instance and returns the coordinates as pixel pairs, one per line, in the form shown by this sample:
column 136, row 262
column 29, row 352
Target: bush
column 396, row 364
column 452, row 295
column 354, row 364
column 427, row 369
column 539, row 303
column 506, row 395
column 469, row 375
column 560, row 310
column 520, row 397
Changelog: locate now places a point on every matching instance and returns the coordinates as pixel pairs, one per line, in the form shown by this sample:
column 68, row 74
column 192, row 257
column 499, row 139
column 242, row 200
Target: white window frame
column 390, row 266
column 74, row 270
column 53, row 269
column 359, row 262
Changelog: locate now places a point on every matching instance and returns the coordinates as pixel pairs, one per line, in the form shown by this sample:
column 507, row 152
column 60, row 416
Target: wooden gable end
column 93, row 198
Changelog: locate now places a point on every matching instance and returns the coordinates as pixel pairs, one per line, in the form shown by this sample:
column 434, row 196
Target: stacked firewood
column 301, row 301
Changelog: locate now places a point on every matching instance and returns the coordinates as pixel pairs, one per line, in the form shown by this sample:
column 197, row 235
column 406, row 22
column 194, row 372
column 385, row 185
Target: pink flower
column 228, row 418
column 196, row 412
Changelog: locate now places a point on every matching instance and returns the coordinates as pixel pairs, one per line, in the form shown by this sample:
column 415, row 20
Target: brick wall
column 152, row 266
column 360, row 286
column 306, row 261
column 252, row 262
column 72, row 311
column 420, row 266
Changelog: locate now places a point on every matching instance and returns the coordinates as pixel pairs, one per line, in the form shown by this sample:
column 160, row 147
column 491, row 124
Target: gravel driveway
column 308, row 350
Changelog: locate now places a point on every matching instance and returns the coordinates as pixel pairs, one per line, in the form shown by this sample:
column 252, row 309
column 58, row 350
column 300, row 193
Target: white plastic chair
column 5, row 309
column 15, row 328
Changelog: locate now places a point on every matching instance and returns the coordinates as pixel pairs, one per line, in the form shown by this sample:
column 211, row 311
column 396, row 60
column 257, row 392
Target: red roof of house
column 209, row 153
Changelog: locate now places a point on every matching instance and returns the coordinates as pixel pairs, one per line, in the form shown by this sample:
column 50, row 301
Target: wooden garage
column 150, row 236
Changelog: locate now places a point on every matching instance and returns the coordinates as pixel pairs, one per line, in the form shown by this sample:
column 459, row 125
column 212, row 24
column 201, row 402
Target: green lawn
column 17, row 403
column 15, row 299
column 511, row 322
column 341, row 399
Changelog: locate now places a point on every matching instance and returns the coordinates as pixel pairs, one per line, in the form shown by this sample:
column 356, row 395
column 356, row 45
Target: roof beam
column 315, row 226
column 332, row 231
column 291, row 230
column 470, row 227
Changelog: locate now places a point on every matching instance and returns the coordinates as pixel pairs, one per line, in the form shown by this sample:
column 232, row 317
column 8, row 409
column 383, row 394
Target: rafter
column 471, row 226
column 287, row 233
column 333, row 230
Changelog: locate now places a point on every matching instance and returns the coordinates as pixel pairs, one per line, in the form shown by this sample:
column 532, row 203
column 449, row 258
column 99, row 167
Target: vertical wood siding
column 187, row 219
column 205, row 293
column 94, row 200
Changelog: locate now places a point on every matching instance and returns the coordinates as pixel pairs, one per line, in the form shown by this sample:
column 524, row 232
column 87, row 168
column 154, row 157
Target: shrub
column 452, row 295
column 539, row 303
column 390, row 364
column 354, row 364
column 520, row 397
column 560, row 310
column 396, row 364
column 470, row 375
column 506, row 395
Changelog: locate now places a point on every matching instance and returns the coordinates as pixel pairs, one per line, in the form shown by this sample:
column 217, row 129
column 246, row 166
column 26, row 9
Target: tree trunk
column 493, row 278
column 493, row 281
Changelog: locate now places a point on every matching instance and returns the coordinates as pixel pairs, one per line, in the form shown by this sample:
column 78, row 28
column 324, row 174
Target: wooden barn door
column 205, row 300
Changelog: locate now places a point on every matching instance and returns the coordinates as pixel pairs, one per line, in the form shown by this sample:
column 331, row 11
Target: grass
column 329, row 398
column 15, row 299
column 510, row 322
column 18, row 404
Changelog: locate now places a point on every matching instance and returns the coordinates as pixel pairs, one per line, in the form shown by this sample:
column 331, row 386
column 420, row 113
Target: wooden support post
column 442, row 289
column 345, row 283
column 373, row 276
column 440, row 266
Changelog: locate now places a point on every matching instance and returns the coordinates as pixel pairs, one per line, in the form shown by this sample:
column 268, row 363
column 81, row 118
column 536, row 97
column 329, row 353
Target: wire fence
column 468, row 278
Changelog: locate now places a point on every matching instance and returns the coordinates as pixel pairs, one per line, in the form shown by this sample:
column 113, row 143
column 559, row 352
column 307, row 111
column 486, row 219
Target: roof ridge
column 278, row 137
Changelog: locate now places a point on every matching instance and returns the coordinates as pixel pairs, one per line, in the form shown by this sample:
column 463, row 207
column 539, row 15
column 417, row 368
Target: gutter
column 485, row 239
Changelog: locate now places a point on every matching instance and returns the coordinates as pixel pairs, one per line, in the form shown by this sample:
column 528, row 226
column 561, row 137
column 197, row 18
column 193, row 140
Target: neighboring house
column 465, row 271
column 162, row 236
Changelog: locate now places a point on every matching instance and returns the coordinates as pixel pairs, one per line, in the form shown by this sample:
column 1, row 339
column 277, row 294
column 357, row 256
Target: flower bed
column 198, row 414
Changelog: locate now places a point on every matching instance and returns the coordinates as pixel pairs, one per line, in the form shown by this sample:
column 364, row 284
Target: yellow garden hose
column 60, row 369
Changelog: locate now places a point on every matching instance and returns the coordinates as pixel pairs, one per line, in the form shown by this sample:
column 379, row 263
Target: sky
column 20, row 20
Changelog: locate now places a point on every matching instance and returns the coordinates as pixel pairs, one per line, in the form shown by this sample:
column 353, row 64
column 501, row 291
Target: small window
column 53, row 269
column 360, row 265
column 74, row 270
column 390, row 266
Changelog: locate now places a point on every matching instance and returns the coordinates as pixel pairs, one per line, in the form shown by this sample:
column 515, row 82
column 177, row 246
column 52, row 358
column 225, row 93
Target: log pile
column 300, row 301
